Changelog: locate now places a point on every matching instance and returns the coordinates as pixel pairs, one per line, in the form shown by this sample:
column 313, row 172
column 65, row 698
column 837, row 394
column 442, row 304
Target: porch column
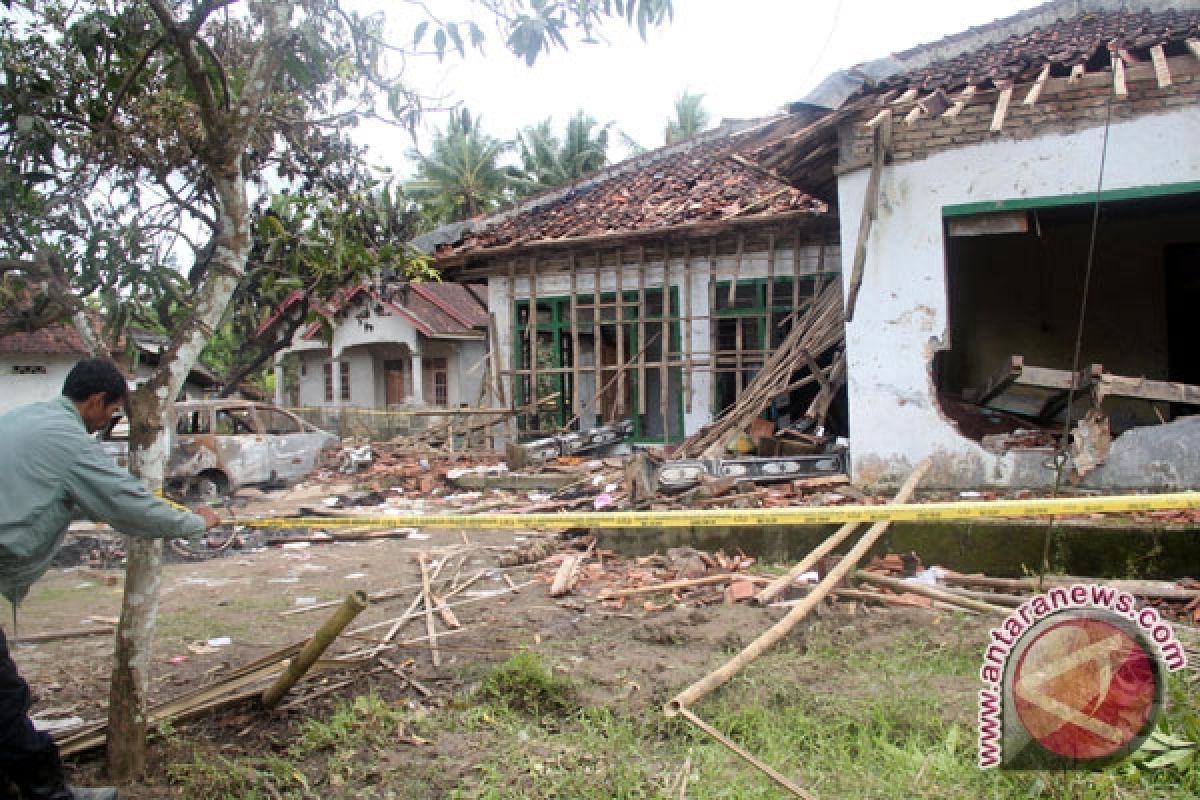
column 417, row 380
column 336, row 368
column 280, row 394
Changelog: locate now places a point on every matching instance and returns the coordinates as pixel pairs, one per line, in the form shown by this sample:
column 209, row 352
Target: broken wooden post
column 350, row 608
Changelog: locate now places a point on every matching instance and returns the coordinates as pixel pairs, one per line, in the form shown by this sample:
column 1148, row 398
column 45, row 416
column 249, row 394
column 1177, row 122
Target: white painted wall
column 754, row 265
column 18, row 390
column 901, row 317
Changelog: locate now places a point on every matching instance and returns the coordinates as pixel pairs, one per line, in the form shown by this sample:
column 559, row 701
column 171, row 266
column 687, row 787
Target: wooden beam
column 737, row 269
column 619, row 361
column 664, row 345
column 879, row 146
column 532, row 330
column 1001, row 109
column 963, row 98
column 1036, row 90
column 913, row 116
column 576, row 402
column 687, row 326
column 1076, row 74
column 875, row 121
column 712, row 325
column 1194, row 46
column 909, row 95
column 1119, row 88
column 1145, row 389
column 1162, row 72
column 597, row 341
column 641, row 332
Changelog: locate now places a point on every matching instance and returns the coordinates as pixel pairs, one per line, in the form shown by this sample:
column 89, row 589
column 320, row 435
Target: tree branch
column 193, row 67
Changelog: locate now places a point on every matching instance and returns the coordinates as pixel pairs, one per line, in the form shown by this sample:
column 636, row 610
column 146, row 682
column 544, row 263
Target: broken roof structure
column 983, row 184
column 653, row 290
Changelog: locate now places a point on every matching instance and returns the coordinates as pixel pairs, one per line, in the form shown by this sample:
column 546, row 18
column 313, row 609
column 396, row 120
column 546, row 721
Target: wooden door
column 393, row 376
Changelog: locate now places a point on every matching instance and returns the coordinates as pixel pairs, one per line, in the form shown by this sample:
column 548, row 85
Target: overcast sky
column 748, row 58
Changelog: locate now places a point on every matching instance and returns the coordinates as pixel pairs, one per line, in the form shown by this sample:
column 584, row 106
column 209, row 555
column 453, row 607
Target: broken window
column 622, row 360
column 235, row 421
column 1015, row 283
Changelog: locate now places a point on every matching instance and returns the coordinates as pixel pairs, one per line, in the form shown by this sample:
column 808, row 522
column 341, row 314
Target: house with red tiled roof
column 652, row 290
column 393, row 345
column 34, row 363
column 1019, row 210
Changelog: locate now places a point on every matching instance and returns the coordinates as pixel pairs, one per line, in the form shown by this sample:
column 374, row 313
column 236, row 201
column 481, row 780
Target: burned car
column 217, row 446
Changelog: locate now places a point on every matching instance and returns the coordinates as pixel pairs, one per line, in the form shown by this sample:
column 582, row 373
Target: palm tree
column 547, row 161
column 690, row 118
column 462, row 176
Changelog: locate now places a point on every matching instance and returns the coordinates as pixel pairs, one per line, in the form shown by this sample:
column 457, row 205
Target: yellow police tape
column 721, row 518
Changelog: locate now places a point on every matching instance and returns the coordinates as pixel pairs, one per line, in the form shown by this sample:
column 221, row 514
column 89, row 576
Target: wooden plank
column 493, row 333
column 1076, row 74
column 687, row 338
column 1146, row 389
column 913, row 116
column 870, row 209
column 664, row 345
column 1036, row 90
column 641, row 332
column 875, row 121
column 963, row 98
column 619, row 361
column 1194, row 46
column 796, row 272
column 597, row 342
column 737, row 270
column 532, row 331
column 769, row 321
column 908, row 96
column 1162, row 72
column 576, row 402
column 1001, row 109
column 1119, row 88
column 712, row 325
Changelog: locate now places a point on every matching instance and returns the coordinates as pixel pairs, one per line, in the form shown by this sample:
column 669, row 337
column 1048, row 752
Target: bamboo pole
column 766, row 769
column 925, row 590
column 780, row 629
column 351, row 607
column 826, row 547
column 685, row 583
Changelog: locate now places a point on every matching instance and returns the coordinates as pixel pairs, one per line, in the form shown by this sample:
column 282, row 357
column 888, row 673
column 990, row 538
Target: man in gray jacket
column 53, row 469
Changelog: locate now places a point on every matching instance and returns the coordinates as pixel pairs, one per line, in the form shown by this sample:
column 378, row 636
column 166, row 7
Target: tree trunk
column 139, row 607
column 148, row 442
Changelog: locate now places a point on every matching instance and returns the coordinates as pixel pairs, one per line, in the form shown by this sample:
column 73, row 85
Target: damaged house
column 991, row 189
column 649, row 294
column 394, row 345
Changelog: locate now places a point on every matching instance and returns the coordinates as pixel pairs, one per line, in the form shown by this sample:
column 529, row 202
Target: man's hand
column 211, row 520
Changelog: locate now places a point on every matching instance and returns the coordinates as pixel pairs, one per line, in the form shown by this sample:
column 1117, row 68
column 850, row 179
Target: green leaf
column 1175, row 758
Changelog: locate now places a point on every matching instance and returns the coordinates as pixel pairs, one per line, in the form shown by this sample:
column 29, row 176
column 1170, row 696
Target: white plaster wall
column 901, row 315
column 754, row 265
column 19, row 390
column 389, row 327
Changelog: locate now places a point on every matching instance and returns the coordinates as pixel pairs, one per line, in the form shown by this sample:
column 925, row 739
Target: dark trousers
column 26, row 755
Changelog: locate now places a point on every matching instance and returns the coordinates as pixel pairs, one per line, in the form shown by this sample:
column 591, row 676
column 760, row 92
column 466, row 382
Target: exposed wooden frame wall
column 654, row 343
